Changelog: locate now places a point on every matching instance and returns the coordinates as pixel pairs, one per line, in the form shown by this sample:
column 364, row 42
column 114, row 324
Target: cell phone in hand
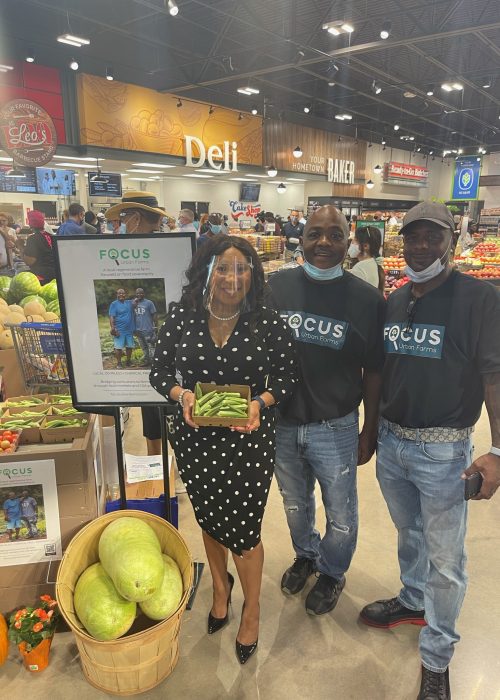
column 473, row 485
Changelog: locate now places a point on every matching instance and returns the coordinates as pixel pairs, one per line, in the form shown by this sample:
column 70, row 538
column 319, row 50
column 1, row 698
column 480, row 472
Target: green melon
column 34, row 297
column 4, row 286
column 131, row 555
column 49, row 291
column 53, row 306
column 167, row 598
column 24, row 284
column 100, row 608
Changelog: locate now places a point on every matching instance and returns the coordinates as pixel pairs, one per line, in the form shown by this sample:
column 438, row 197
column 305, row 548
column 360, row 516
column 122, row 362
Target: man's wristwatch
column 260, row 401
column 495, row 451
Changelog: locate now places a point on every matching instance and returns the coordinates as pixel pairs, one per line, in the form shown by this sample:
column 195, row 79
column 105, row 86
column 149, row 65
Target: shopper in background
column 203, row 222
column 101, row 222
column 365, row 248
column 293, row 229
column 442, row 340
column 38, row 251
column 210, row 229
column 271, row 226
column 227, row 336
column 90, row 222
column 337, row 322
column 259, row 226
column 7, row 244
column 185, row 221
column 74, row 225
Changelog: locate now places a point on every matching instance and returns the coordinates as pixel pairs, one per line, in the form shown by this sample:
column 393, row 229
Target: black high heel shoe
column 245, row 651
column 217, row 623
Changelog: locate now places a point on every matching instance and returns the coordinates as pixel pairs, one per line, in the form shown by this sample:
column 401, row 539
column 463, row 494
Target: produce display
column 29, row 401
column 485, row 273
column 61, row 422
column 132, row 569
column 226, row 404
column 64, row 411
column 23, row 299
column 17, row 423
column 394, row 263
column 9, row 440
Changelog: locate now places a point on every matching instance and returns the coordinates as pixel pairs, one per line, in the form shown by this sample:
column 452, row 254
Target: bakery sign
column 406, row 174
column 27, row 132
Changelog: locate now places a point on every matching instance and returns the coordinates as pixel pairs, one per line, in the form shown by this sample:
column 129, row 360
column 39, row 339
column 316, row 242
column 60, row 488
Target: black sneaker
column 434, row 686
column 391, row 613
column 324, row 595
column 294, row 579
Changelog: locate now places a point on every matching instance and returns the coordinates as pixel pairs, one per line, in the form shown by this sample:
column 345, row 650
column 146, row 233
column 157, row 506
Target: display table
column 80, row 499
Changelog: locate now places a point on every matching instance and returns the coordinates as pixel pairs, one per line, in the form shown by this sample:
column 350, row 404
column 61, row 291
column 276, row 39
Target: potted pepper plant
column 32, row 630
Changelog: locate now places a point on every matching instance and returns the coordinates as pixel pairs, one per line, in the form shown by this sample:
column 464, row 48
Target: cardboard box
column 222, row 421
column 56, row 398
column 55, row 435
column 29, row 436
column 27, row 397
column 43, row 408
column 12, row 376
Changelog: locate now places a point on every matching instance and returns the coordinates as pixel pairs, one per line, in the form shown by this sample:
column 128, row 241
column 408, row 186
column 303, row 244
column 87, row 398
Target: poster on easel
column 115, row 292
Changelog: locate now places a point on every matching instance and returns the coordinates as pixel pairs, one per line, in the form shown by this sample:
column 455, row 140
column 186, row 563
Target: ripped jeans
column 327, row 452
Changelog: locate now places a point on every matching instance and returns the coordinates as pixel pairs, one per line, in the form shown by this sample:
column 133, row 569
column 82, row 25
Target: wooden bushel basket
column 145, row 657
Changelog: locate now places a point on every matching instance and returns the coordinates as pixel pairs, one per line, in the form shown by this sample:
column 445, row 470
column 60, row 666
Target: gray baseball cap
column 430, row 211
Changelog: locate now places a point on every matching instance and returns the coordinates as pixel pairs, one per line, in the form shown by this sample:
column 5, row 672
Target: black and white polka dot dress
column 227, row 474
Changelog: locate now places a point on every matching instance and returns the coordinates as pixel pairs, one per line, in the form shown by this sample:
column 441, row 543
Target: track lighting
column 109, row 74
column 281, row 189
column 396, row 127
column 337, row 27
column 376, row 88
column 179, row 102
column 30, row 56
column 73, row 40
column 487, row 83
column 73, row 64
column 384, row 142
column 386, row 29
column 430, row 92
column 307, row 108
column 272, row 171
column 449, row 87
column 370, row 184
column 255, row 110
column 211, row 110
column 240, row 116
column 172, row 7
column 297, row 152
column 377, row 169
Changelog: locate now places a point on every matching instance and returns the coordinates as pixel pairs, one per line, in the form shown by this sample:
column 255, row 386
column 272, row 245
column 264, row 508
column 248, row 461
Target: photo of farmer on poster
column 130, row 312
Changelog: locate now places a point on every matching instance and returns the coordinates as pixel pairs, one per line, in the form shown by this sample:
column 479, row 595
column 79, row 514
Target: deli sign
column 406, row 174
column 27, row 133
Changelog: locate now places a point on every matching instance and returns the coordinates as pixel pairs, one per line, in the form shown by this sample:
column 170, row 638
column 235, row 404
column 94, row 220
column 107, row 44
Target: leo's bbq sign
column 27, row 132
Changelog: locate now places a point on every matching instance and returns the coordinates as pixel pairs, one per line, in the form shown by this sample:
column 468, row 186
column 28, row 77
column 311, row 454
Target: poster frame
column 62, row 279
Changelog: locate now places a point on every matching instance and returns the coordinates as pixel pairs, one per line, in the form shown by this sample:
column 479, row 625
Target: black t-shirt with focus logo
column 433, row 372
column 338, row 328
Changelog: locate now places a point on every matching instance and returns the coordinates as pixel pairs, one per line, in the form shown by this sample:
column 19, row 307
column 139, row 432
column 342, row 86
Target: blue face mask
column 215, row 228
column 320, row 275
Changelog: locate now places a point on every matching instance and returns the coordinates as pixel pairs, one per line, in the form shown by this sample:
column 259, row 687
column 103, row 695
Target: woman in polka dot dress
column 229, row 339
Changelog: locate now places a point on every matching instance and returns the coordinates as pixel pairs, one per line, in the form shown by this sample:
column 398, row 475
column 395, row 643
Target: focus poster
column 115, row 292
column 29, row 520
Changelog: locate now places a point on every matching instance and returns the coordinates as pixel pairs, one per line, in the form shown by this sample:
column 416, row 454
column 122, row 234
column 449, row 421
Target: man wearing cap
column 442, row 340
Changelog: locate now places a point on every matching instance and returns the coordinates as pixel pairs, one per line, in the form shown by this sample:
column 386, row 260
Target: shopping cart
column 41, row 353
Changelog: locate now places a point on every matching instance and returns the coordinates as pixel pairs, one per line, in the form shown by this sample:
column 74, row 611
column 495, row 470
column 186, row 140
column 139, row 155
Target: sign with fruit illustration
column 466, row 178
column 129, row 117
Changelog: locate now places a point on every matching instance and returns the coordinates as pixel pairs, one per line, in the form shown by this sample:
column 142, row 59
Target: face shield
column 229, row 289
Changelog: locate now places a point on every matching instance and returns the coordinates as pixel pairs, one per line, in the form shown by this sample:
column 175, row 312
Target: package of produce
column 9, row 440
column 167, row 598
column 100, row 608
column 224, row 406
column 130, row 553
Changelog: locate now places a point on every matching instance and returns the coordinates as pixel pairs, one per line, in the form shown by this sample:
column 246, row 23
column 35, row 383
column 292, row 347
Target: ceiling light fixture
column 487, row 83
column 98, row 176
column 74, row 64
column 384, row 141
column 240, row 116
column 430, row 92
column 211, row 110
column 377, row 169
column 449, row 87
column 343, row 117
column 247, row 90
column 73, row 40
column 243, row 91
column 109, row 74
column 171, row 6
column 337, row 27
column 272, row 171
column 307, row 108
column 446, row 87
column 205, row 177
column 297, row 152
column 431, row 152
column 396, row 127
column 418, row 149
column 150, row 165
column 386, row 29
column 457, row 86
column 88, row 158
column 255, row 110
column 144, row 172
column 331, row 83
column 30, row 57
column 348, row 28
column 4, row 68
column 376, row 88
column 179, row 102
column 281, row 189
column 370, row 184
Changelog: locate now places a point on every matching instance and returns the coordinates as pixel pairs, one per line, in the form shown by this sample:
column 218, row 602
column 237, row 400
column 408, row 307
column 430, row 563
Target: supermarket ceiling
column 282, row 49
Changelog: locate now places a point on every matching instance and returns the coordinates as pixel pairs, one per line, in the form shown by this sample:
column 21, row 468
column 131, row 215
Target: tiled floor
column 332, row 657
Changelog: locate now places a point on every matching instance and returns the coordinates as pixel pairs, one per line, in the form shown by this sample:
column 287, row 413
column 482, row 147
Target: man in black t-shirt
column 442, row 343
column 337, row 323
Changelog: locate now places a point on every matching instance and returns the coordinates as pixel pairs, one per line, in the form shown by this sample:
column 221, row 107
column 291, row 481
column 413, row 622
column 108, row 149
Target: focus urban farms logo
column 27, row 133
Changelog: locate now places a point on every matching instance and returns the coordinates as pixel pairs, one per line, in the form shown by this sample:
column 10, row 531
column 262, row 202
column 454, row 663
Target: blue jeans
column 327, row 452
column 421, row 484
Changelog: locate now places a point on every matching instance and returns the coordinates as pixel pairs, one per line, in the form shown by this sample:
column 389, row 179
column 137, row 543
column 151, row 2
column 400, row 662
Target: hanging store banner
column 133, row 118
column 29, row 512
column 27, row 133
column 406, row 174
column 113, row 304
column 466, row 179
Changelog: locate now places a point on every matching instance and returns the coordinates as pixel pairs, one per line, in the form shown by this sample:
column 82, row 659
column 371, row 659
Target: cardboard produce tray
column 43, row 408
column 55, row 435
column 29, row 436
column 222, row 421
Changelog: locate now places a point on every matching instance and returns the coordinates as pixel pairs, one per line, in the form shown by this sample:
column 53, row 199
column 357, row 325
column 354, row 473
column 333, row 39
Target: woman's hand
column 253, row 420
column 187, row 408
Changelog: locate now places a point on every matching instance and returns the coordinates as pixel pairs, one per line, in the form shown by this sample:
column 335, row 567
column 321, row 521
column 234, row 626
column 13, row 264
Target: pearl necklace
column 221, row 318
